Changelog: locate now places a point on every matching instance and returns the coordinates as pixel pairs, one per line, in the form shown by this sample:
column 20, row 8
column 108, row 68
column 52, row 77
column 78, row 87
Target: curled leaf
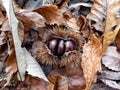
column 52, row 14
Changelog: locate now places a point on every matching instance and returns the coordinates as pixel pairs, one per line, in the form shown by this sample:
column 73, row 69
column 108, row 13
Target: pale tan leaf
column 92, row 53
column 33, row 68
column 112, row 18
column 104, row 16
column 111, row 58
column 17, row 44
column 109, row 37
column 52, row 14
column 97, row 15
column 112, row 22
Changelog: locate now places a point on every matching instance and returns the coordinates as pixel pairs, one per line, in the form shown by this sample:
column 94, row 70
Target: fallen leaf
column 63, row 79
column 33, row 68
column 2, row 18
column 117, row 41
column 3, row 38
column 62, row 5
column 30, row 18
column 17, row 43
column 97, row 15
column 111, row 83
column 3, row 52
column 60, row 82
column 101, row 86
column 109, row 37
column 92, row 53
column 82, row 23
column 34, row 83
column 52, row 14
column 111, row 28
column 11, row 66
column 110, row 75
column 111, row 58
column 70, row 20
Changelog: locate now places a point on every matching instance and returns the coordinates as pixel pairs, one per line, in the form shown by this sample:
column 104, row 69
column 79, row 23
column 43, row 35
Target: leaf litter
column 93, row 24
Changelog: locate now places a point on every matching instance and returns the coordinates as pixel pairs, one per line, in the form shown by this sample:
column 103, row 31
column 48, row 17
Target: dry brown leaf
column 34, row 83
column 6, row 27
column 30, row 18
column 117, row 41
column 102, row 13
column 97, row 15
column 111, row 58
column 109, row 37
column 52, row 14
column 3, row 52
column 2, row 18
column 62, row 5
column 3, row 38
column 60, row 82
column 11, row 66
column 10, row 70
column 82, row 23
column 92, row 53
column 70, row 20
column 111, row 28
column 67, row 79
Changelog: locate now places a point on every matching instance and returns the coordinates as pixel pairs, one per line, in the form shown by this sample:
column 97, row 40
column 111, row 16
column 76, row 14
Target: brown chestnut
column 59, row 46
column 69, row 45
column 52, row 44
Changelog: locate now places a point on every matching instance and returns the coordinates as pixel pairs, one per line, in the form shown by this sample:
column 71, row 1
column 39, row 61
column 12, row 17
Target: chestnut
column 61, row 48
column 69, row 45
column 58, row 46
column 52, row 44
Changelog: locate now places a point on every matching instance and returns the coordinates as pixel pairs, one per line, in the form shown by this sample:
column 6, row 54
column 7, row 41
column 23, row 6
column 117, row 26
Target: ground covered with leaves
column 59, row 44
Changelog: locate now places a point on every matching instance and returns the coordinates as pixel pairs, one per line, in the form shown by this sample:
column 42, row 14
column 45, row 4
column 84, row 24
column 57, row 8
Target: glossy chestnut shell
column 58, row 46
